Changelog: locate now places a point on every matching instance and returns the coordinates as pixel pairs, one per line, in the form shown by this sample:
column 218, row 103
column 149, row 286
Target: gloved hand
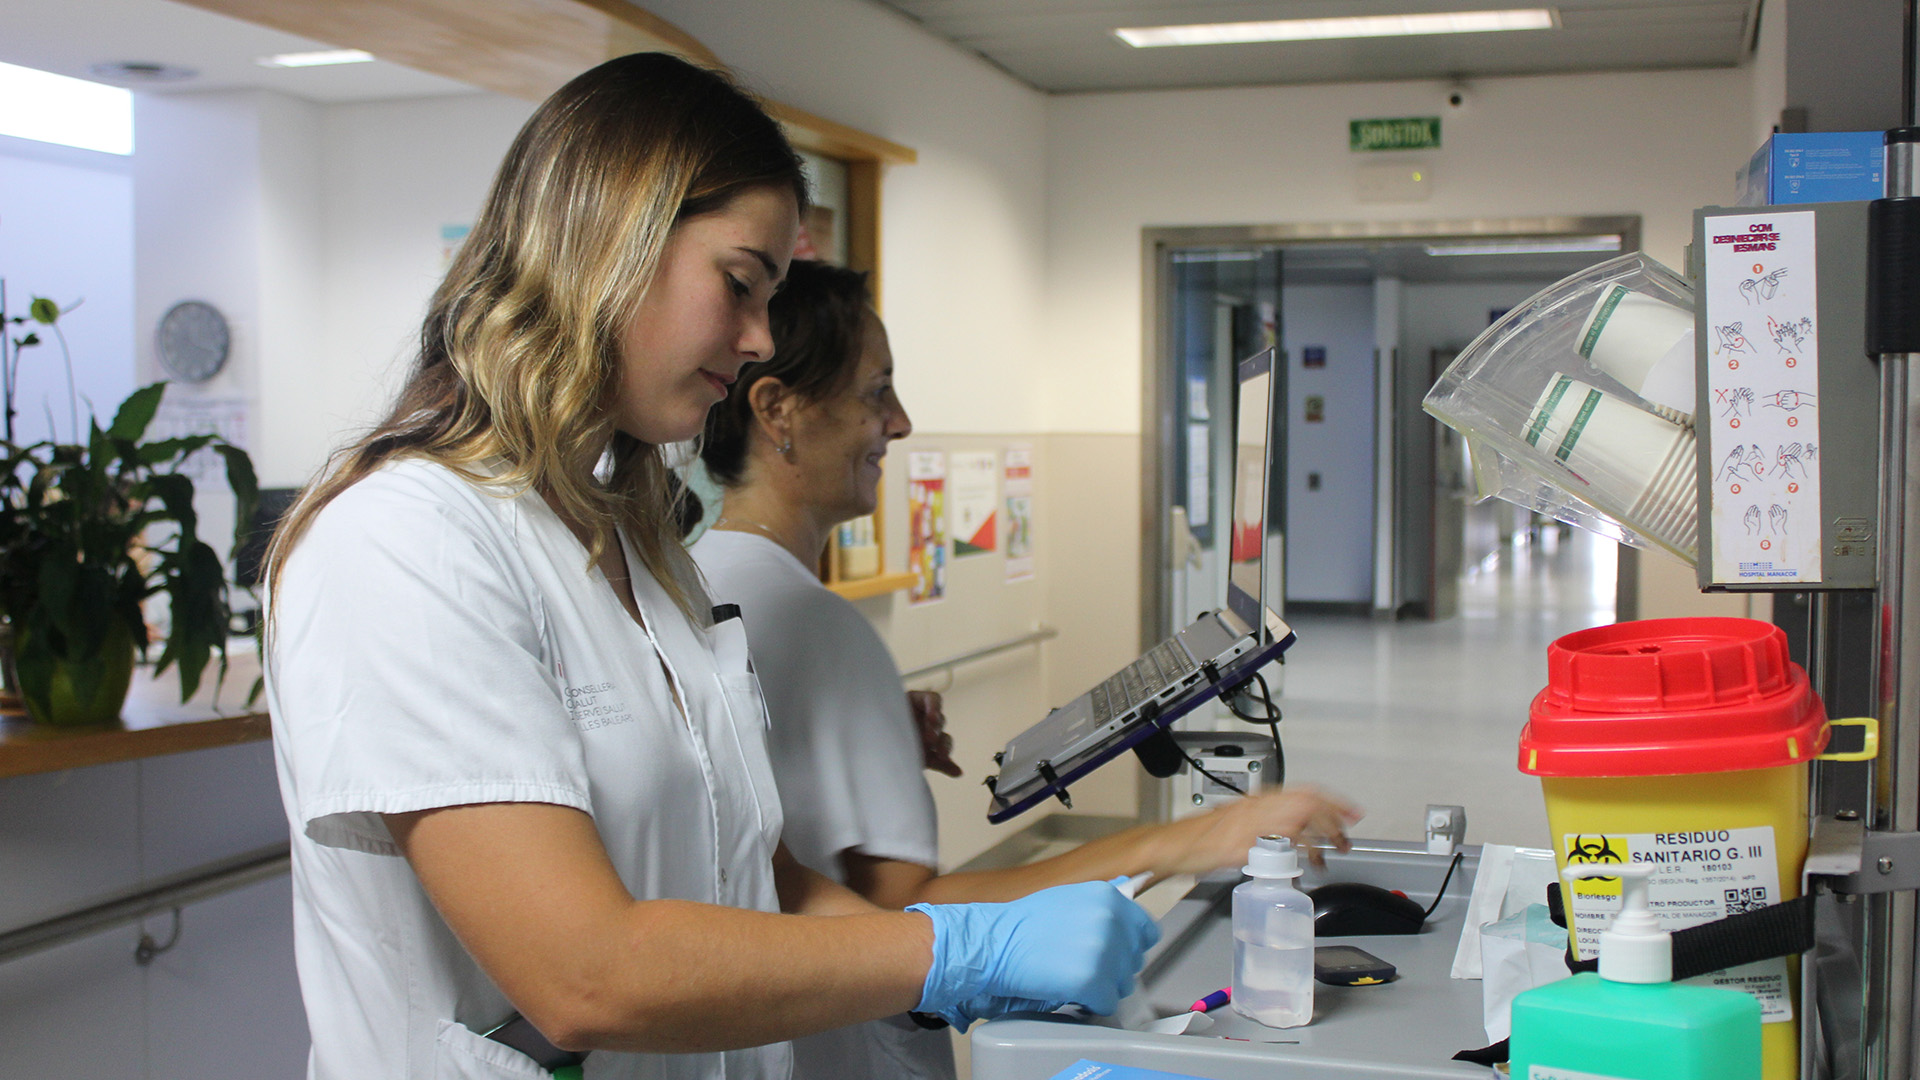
column 1071, row 943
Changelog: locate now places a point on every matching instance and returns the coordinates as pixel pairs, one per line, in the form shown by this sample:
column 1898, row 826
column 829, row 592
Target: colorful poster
column 927, row 525
column 1018, row 490
column 1763, row 380
column 972, row 491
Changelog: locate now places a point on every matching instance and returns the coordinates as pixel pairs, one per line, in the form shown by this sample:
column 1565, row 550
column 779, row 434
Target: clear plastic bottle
column 1273, row 938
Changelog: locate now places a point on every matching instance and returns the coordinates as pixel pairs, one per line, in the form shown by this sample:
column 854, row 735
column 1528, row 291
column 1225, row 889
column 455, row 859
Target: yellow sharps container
column 1683, row 744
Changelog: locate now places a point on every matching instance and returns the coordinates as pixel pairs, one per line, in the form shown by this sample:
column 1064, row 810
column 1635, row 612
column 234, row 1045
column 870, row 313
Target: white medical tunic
column 437, row 644
column 848, row 760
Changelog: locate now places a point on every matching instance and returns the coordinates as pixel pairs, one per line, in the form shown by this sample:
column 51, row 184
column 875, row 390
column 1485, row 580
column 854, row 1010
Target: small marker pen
column 1214, row 1000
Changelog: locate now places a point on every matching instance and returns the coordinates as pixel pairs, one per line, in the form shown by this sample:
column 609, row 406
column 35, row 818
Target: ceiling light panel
column 315, row 59
column 1359, row 26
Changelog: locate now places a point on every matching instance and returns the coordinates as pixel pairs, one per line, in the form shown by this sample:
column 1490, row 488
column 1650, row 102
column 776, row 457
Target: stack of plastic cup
column 1626, row 461
column 1647, row 344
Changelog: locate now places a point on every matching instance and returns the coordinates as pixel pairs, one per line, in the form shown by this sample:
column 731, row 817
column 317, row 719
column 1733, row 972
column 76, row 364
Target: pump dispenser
column 1272, row 938
column 1631, row 1021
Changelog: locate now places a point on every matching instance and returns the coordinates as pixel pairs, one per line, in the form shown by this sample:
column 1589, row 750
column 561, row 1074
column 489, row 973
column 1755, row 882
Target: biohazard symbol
column 1582, row 850
column 1593, row 849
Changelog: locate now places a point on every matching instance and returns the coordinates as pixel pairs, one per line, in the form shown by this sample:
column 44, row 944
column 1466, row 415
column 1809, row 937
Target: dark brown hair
column 819, row 320
column 519, row 352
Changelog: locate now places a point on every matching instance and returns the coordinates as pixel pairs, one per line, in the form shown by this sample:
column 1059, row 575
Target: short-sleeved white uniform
column 847, row 758
column 437, row 644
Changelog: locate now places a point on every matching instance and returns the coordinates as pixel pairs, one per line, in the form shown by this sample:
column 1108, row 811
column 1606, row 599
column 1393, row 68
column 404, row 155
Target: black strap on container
column 1893, row 268
column 1751, row 936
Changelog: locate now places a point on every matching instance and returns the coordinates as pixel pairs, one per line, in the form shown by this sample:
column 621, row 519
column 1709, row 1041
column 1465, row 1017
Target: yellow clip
column 1869, row 749
column 1365, row 980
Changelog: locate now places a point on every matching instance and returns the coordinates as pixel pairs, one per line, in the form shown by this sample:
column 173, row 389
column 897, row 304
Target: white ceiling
column 68, row 36
column 1068, row 45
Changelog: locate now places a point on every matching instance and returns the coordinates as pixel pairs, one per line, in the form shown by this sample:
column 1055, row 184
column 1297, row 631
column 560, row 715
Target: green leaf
column 246, row 489
column 30, row 339
column 43, row 310
column 163, row 450
column 197, row 599
column 176, row 494
column 137, row 412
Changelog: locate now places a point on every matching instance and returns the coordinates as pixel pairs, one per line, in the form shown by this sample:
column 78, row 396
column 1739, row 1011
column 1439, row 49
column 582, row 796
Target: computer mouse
column 1352, row 908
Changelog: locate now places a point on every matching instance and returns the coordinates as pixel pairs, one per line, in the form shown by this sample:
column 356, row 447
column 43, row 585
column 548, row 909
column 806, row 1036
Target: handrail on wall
column 225, row 875
column 1040, row 633
column 175, row 892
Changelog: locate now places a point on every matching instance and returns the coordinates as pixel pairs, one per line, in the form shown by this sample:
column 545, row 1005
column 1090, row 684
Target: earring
column 785, row 448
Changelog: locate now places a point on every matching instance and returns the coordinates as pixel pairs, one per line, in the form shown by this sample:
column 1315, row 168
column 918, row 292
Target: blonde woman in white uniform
column 522, row 756
column 797, row 447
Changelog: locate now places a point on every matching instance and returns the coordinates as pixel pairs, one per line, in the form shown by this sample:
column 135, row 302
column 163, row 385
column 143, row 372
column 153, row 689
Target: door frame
column 1157, row 398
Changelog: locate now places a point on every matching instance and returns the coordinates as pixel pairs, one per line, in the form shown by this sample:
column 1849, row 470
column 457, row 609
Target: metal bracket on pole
column 1848, row 859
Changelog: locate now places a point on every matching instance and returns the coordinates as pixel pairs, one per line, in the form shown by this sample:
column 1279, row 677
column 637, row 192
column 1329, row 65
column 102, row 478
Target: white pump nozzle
column 1633, row 948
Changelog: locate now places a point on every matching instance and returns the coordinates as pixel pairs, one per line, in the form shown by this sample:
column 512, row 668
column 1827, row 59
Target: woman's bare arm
column 530, row 892
column 1191, row 845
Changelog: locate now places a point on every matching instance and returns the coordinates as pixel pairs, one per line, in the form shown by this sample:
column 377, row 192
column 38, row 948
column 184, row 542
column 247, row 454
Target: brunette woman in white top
column 797, row 446
column 524, row 764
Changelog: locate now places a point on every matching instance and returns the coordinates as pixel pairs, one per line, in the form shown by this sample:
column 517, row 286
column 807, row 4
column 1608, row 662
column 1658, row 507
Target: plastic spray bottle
column 1631, row 1021
column 1272, row 938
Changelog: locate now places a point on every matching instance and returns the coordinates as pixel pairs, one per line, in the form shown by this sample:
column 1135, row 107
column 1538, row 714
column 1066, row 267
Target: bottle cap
column 1633, row 948
column 1272, row 857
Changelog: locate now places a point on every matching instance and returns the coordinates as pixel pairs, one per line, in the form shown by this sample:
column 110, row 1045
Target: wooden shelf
column 873, row 586
column 155, row 723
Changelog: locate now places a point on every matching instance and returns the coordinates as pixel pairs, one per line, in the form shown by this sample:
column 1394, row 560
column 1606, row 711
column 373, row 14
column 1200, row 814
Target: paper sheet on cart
column 1509, row 879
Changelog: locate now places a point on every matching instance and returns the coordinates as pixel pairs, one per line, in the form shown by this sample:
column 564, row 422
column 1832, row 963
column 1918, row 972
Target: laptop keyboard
column 1166, row 664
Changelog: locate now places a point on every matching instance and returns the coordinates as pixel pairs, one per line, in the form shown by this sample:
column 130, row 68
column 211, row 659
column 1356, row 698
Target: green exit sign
column 1405, row 133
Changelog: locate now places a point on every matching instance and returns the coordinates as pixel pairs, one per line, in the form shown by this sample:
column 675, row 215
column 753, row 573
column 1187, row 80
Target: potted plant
column 89, row 531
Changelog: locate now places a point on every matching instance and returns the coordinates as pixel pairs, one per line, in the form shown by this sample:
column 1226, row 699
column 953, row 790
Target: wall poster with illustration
column 1017, row 489
column 927, row 525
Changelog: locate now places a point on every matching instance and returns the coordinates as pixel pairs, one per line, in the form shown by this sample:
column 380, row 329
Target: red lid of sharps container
column 1665, row 697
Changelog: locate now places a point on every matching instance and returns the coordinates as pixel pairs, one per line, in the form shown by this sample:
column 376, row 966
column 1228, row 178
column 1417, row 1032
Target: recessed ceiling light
column 1357, row 26
column 140, row 71
column 45, row 107
column 315, row 59
column 1557, row 246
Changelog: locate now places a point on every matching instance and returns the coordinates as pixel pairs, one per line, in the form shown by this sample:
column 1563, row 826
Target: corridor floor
column 1396, row 715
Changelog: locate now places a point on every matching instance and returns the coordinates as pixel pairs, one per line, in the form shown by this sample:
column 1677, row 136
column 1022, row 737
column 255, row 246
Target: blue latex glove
column 1071, row 943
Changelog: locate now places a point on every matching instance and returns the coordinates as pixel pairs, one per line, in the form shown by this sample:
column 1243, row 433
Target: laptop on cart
column 1216, row 653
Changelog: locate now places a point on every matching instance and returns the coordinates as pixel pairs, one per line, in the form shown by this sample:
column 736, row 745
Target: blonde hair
column 519, row 353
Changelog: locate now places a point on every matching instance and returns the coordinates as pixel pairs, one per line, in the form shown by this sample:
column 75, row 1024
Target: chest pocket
column 748, row 710
column 746, row 726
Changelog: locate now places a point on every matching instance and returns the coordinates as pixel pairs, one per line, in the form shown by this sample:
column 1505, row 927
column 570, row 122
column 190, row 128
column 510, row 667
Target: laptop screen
column 1247, row 548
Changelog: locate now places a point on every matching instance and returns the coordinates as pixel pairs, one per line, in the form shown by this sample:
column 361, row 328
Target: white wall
column 1650, row 143
column 393, row 173
column 66, row 233
column 1768, row 68
column 963, row 231
column 1330, row 527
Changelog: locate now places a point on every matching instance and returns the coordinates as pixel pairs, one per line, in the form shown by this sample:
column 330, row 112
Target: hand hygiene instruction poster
column 1763, row 413
column 927, row 525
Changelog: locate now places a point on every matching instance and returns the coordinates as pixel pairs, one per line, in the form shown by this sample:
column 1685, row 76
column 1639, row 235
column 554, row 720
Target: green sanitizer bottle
column 1632, row 1021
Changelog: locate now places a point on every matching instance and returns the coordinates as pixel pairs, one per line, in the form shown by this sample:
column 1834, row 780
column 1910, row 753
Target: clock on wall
column 192, row 341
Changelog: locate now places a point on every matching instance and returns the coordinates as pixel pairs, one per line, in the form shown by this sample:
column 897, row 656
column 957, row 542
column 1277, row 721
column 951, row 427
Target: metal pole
column 1889, row 948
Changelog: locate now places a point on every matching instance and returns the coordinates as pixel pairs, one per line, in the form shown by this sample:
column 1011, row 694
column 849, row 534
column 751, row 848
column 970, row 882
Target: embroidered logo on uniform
column 596, row 706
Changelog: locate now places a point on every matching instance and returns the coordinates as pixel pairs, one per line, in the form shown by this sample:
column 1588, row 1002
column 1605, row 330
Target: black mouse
column 1351, row 908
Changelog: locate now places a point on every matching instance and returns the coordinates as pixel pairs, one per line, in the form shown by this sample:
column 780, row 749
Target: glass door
column 1221, row 304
